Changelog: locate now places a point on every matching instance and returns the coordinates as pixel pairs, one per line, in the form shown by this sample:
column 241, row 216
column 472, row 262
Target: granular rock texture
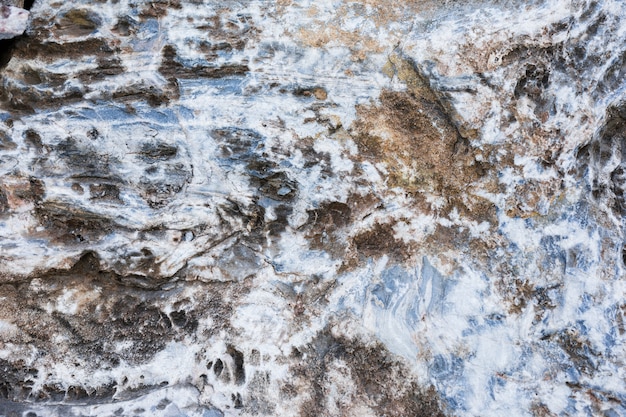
column 333, row 208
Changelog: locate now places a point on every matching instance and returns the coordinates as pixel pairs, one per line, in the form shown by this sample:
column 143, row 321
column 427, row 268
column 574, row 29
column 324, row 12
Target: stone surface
column 332, row 208
column 13, row 21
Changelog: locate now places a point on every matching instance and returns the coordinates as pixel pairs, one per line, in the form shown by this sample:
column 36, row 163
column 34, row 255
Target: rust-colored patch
column 541, row 410
column 412, row 137
column 412, row 133
column 328, row 228
column 521, row 294
column 578, row 348
column 532, row 198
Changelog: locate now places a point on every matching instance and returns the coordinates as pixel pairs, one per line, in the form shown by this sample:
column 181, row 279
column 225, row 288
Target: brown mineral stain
column 32, row 48
column 413, row 133
column 154, row 96
column 173, row 70
column 93, row 312
column 69, row 225
column 19, row 193
column 318, row 92
column 413, row 137
column 159, row 8
column 107, row 67
column 380, row 240
column 77, row 22
column 225, row 32
column 379, row 381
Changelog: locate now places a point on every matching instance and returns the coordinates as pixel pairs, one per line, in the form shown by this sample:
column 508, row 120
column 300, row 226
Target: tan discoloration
column 413, row 135
column 533, row 198
column 77, row 22
column 413, row 139
column 324, row 35
column 377, row 15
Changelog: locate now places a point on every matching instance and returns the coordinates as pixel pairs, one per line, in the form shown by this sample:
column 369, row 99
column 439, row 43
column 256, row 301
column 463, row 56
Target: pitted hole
column 93, row 133
column 77, row 188
column 255, row 356
column 179, row 318
column 76, row 393
column 163, row 404
column 240, row 374
column 238, row 403
column 218, row 367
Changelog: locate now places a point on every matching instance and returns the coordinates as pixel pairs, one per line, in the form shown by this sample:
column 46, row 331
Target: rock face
column 293, row 208
column 13, row 21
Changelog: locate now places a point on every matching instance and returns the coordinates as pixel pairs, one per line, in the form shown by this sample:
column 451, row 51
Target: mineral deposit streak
column 331, row 208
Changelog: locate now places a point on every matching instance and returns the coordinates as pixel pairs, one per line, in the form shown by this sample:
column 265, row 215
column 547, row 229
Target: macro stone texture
column 331, row 208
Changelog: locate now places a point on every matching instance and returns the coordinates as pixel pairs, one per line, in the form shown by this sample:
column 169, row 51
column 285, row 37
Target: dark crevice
column 6, row 50
column 218, row 367
column 240, row 374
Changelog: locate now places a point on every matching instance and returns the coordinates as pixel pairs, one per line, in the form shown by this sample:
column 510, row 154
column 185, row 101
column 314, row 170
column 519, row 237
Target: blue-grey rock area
column 313, row 208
